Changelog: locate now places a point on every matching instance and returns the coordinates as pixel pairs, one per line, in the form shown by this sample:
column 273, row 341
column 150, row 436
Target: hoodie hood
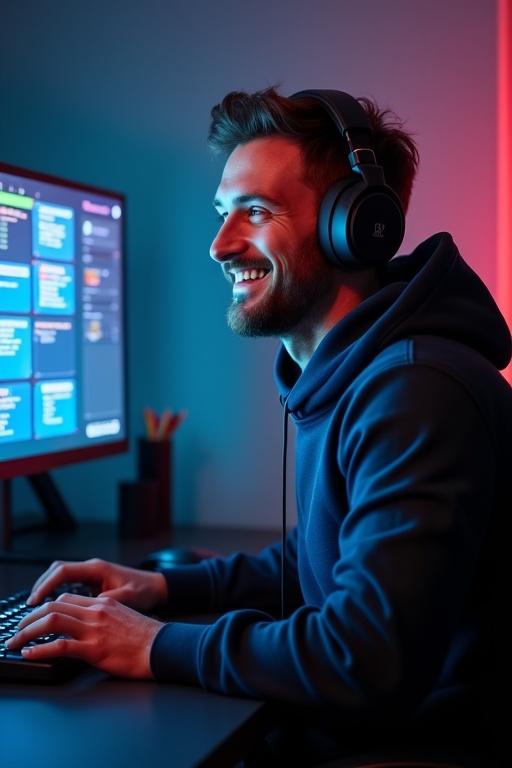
column 431, row 291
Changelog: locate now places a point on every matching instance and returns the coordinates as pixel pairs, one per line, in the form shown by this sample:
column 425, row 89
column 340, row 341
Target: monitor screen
column 62, row 322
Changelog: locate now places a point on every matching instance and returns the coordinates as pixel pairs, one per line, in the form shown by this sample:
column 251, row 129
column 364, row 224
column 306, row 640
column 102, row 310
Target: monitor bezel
column 31, row 465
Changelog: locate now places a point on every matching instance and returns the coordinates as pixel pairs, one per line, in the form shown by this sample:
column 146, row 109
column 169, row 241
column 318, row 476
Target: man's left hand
column 98, row 630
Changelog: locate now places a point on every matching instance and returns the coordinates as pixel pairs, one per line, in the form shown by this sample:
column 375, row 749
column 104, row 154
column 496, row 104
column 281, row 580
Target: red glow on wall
column 504, row 165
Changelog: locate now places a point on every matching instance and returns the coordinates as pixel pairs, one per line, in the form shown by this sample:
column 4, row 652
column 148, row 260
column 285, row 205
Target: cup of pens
column 155, row 459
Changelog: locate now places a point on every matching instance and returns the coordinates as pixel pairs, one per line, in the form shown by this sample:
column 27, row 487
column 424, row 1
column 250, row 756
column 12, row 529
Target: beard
column 287, row 301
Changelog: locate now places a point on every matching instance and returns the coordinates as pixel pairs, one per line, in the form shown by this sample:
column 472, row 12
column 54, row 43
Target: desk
column 96, row 720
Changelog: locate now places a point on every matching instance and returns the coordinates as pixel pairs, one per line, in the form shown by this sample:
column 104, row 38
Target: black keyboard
column 14, row 666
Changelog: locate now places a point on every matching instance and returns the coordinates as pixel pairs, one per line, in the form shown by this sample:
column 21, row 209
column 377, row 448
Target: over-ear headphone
column 361, row 222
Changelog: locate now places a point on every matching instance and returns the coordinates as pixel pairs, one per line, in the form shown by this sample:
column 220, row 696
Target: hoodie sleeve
column 239, row 580
column 417, row 461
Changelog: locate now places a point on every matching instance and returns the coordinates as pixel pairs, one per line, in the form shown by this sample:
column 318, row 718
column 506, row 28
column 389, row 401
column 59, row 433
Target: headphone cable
column 283, row 531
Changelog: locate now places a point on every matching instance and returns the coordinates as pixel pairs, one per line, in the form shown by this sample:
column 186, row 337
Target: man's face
column 267, row 244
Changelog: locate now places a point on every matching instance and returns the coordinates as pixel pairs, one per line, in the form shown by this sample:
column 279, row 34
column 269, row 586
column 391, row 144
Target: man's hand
column 142, row 590
column 98, row 630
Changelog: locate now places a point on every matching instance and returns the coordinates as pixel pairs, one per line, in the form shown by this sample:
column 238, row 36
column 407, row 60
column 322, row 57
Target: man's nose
column 228, row 242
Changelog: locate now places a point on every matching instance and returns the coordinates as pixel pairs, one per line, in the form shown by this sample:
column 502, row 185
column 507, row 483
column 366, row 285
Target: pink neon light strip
column 504, row 164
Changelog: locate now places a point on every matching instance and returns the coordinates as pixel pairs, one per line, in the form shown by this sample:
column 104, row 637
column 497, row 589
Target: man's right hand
column 141, row 590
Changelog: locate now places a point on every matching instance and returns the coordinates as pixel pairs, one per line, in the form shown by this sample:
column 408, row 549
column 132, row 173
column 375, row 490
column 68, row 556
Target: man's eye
column 253, row 211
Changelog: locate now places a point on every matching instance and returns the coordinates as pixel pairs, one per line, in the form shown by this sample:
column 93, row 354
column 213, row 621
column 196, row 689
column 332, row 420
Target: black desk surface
column 96, row 720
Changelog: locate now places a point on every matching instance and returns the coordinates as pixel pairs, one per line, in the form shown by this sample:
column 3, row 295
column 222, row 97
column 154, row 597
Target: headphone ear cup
column 360, row 226
column 333, row 206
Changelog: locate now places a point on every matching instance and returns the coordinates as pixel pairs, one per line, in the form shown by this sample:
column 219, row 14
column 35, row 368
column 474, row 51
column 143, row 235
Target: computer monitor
column 62, row 322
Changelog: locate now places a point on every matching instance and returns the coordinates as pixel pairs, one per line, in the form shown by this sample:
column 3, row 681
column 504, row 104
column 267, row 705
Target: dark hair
column 241, row 117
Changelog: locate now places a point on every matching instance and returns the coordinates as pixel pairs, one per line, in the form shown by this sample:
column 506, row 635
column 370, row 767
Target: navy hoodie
column 403, row 457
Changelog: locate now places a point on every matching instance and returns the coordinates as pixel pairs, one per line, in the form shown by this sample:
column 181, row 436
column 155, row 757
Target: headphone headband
column 346, row 112
column 350, row 119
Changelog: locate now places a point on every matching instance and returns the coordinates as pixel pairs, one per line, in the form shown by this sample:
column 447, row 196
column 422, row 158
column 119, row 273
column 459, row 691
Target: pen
column 174, row 423
column 151, row 422
column 163, row 425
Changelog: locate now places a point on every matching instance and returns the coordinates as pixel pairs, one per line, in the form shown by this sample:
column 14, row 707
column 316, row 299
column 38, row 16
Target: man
column 403, row 432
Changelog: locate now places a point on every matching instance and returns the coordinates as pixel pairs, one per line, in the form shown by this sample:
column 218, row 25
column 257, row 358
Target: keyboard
column 14, row 666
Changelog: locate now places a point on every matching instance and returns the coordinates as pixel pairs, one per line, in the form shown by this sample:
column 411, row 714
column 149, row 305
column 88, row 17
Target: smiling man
column 389, row 369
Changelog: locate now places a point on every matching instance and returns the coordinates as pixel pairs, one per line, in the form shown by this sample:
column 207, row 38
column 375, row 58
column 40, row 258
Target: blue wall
column 118, row 94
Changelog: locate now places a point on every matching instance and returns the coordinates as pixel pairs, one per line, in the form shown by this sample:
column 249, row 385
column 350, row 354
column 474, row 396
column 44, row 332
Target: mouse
column 174, row 556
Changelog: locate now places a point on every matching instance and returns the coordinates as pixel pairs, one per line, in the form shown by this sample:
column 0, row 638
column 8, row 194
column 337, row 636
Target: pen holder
column 154, row 463
column 138, row 509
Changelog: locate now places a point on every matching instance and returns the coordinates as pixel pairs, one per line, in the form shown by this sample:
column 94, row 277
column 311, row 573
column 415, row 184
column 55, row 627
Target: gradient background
column 118, row 94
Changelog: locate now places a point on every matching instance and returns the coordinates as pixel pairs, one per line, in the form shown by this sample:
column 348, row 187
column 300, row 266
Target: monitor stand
column 58, row 516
